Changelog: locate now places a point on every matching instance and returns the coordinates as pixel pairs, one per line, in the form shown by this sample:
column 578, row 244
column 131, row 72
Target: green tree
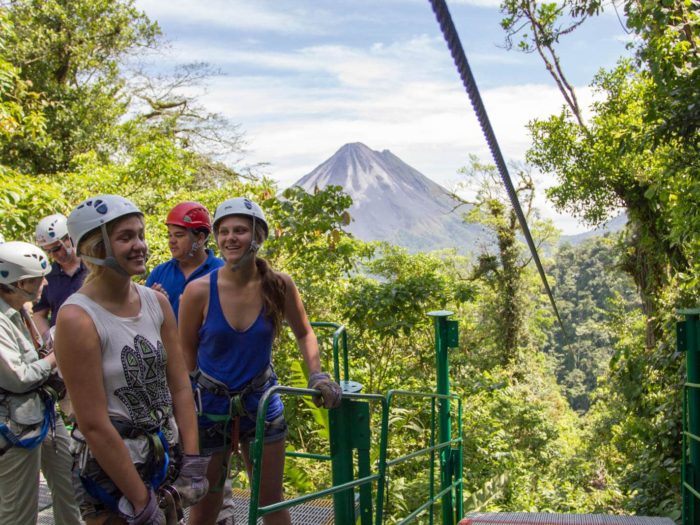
column 70, row 53
column 503, row 269
column 20, row 106
column 638, row 152
column 627, row 155
column 587, row 282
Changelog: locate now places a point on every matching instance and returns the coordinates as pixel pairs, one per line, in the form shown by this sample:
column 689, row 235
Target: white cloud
column 294, row 125
column 298, row 106
column 232, row 14
column 478, row 3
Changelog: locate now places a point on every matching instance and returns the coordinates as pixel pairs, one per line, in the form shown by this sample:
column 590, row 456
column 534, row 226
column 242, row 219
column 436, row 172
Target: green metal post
column 458, row 469
column 688, row 339
column 361, row 441
column 340, row 421
column 442, row 341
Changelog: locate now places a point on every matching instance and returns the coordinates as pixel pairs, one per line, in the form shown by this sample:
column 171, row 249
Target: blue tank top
column 235, row 357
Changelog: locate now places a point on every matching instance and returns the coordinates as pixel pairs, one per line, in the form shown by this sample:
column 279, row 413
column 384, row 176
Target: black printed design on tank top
column 146, row 396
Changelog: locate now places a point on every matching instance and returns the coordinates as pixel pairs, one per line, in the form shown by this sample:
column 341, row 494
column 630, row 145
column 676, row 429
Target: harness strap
column 159, row 458
column 218, row 388
column 15, row 440
column 236, row 409
column 170, row 501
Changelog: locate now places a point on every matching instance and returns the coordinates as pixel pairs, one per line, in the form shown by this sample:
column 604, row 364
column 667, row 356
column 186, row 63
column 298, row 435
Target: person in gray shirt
column 31, row 436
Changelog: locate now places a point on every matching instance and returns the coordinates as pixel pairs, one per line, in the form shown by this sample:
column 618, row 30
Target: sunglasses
column 58, row 248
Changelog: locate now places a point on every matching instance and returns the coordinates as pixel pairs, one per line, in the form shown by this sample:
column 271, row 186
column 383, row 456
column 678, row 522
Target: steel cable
column 460, row 59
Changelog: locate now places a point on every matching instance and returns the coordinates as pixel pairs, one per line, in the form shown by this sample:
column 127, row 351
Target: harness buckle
column 235, row 406
column 199, row 407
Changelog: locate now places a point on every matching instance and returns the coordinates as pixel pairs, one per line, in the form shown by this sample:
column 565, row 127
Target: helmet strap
column 110, row 261
column 28, row 296
column 195, row 243
column 70, row 250
column 253, row 248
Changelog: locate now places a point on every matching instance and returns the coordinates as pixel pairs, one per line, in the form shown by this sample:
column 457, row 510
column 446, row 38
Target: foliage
column 639, row 152
column 668, row 50
column 20, row 106
column 70, row 53
column 539, row 27
column 72, row 124
column 587, row 283
column 634, row 423
column 502, row 270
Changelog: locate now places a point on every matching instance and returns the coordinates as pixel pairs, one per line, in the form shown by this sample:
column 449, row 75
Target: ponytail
column 274, row 292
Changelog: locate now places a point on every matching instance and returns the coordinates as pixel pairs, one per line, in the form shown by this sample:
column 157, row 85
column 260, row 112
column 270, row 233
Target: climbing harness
column 460, row 59
column 158, row 468
column 236, row 409
column 48, row 424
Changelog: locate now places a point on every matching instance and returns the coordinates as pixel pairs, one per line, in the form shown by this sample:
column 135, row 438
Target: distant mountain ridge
column 613, row 225
column 394, row 202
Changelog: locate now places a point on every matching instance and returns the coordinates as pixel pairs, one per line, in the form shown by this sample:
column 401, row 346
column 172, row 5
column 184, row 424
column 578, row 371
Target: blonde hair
column 93, row 245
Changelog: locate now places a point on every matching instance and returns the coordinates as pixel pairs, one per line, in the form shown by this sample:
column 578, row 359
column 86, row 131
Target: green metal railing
column 450, row 463
column 342, row 489
column 688, row 341
column 350, row 439
column 340, row 335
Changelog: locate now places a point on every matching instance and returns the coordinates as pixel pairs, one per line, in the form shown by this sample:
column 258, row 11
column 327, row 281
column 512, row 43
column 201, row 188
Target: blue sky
column 302, row 78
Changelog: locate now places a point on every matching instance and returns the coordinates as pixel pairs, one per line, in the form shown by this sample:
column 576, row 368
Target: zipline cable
column 460, row 59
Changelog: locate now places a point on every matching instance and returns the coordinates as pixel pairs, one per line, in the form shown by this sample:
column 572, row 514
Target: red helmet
column 191, row 215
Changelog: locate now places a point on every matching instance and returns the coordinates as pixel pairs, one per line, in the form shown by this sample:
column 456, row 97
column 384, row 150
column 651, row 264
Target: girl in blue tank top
column 228, row 321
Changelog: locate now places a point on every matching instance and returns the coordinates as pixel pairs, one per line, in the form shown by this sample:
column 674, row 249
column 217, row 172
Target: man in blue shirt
column 189, row 226
column 67, row 271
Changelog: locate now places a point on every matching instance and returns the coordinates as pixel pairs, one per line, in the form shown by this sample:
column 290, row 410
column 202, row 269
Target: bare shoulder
column 162, row 299
column 199, row 287
column 73, row 317
column 285, row 278
column 75, row 330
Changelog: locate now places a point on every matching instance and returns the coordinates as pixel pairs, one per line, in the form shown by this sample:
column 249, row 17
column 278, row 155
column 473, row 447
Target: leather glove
column 192, row 483
column 330, row 390
column 151, row 514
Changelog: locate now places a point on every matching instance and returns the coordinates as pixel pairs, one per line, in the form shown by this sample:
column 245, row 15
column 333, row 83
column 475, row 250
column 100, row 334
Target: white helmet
column 240, row 206
column 21, row 260
column 94, row 213
column 51, row 229
column 246, row 207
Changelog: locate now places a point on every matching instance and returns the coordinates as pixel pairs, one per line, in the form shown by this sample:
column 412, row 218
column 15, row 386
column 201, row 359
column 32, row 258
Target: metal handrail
column 339, row 334
column 345, row 438
column 256, row 511
column 384, row 464
column 688, row 341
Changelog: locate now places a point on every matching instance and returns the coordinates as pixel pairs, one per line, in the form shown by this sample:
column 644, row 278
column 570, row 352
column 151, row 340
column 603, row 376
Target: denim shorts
column 211, row 439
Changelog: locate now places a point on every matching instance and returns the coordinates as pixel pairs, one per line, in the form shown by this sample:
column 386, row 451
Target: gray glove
column 331, row 393
column 151, row 514
column 192, row 483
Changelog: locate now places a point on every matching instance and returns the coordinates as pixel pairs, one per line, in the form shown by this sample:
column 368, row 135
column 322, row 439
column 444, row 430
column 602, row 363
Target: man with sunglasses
column 67, row 271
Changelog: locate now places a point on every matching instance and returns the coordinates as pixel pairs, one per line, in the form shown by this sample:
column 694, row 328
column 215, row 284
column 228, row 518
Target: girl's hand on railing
column 330, row 392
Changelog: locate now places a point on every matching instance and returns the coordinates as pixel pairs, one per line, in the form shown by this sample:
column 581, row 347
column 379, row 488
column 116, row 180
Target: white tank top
column 133, row 363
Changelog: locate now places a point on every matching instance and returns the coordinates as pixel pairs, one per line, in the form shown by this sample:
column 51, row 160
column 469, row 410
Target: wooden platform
column 537, row 518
